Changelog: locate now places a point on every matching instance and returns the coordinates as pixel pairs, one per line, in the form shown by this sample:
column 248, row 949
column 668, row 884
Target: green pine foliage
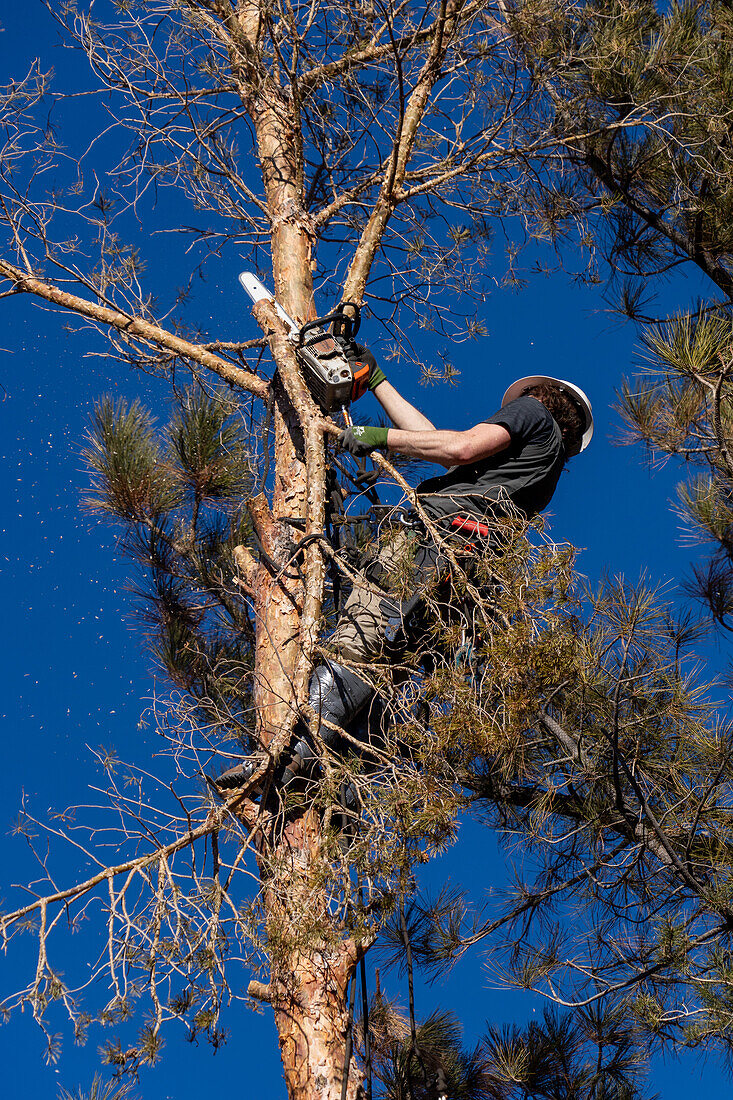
column 638, row 95
column 610, row 788
column 179, row 493
column 682, row 406
column 130, row 479
column 206, row 442
column 435, row 1062
column 587, row 1055
column 101, row 1090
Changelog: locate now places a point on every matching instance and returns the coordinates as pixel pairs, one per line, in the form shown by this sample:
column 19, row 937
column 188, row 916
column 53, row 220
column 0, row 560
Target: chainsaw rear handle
column 361, row 366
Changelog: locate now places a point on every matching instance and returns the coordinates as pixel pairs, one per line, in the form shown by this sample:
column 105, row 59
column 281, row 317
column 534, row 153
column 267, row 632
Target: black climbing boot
column 347, row 822
column 240, row 774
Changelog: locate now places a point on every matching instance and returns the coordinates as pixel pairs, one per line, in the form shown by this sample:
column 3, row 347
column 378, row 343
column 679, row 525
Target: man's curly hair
column 563, row 411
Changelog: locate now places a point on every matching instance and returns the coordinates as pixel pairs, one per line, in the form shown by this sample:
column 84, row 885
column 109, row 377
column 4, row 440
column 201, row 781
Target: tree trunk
column 310, row 981
column 312, row 1034
column 311, row 962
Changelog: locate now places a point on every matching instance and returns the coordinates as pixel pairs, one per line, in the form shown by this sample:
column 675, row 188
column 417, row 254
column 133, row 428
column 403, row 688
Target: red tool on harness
column 472, row 526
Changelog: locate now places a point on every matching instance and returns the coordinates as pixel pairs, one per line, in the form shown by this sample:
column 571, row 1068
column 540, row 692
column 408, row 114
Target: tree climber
column 510, row 462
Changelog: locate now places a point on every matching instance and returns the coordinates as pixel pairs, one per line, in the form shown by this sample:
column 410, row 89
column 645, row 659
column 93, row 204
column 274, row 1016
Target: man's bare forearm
column 401, row 413
column 450, row 448
column 445, row 447
column 413, row 434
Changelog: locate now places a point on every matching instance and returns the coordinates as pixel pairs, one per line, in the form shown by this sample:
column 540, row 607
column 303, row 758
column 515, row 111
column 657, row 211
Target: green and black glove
column 376, row 374
column 361, row 439
column 367, row 375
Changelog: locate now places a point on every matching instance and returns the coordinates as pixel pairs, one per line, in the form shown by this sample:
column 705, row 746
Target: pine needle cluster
column 179, row 492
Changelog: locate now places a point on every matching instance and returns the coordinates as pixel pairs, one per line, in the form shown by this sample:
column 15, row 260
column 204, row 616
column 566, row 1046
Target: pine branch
column 133, row 327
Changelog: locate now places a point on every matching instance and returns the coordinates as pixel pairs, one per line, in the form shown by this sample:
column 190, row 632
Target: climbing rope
column 414, row 1047
column 365, row 1010
column 349, row 1038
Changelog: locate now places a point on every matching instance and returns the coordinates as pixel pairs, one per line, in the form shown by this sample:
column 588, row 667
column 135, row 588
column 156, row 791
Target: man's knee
column 337, row 696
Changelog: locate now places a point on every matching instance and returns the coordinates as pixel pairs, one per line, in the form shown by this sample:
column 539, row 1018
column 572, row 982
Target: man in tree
column 510, row 463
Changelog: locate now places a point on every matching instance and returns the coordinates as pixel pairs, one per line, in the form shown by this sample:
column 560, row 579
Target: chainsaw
column 332, row 369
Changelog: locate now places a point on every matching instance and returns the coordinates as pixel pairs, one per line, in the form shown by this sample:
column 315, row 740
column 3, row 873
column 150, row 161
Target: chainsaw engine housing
column 326, row 370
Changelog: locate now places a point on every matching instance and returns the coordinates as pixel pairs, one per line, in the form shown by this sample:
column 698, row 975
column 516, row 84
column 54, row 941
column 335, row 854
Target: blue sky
column 76, row 677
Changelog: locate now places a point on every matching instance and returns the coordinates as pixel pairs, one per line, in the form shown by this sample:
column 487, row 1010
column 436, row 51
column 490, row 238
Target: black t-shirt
column 525, row 473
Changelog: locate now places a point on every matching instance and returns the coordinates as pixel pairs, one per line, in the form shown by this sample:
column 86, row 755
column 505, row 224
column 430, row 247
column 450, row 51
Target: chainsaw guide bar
column 327, row 369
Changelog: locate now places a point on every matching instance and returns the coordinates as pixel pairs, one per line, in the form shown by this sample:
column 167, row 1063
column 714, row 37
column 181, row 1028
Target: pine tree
column 353, row 149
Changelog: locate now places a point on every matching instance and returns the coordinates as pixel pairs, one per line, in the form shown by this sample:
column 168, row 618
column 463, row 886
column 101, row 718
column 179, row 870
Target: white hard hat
column 574, row 393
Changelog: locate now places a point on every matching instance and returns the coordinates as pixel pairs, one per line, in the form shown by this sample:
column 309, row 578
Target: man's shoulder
column 523, row 416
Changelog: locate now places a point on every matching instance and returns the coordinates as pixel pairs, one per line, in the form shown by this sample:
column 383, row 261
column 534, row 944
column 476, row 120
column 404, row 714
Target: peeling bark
column 311, row 1024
